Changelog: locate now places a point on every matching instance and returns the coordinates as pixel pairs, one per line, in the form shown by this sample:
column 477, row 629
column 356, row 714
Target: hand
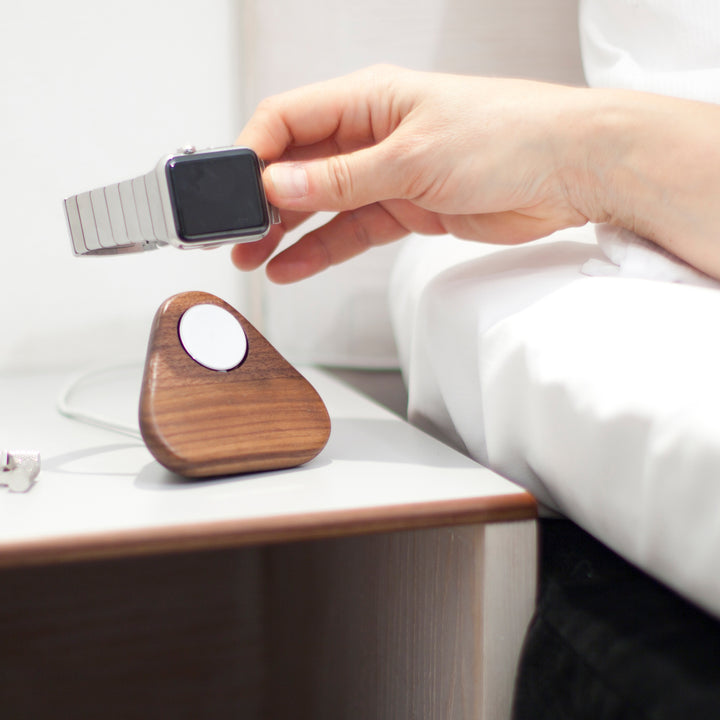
column 394, row 151
column 502, row 161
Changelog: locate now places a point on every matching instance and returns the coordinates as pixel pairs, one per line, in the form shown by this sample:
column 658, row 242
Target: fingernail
column 288, row 180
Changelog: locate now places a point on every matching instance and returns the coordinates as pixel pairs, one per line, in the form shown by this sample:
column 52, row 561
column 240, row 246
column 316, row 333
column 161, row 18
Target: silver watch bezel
column 137, row 214
column 173, row 237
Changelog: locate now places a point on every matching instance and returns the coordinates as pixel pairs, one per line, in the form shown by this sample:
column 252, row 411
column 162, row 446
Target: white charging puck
column 213, row 337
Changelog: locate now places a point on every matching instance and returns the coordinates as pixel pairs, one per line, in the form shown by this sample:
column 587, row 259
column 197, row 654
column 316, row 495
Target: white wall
column 91, row 93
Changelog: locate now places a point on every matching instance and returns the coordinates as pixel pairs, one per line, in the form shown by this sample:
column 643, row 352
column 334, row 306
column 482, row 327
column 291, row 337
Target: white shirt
column 670, row 47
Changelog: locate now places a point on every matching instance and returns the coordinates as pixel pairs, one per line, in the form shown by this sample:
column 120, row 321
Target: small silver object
column 18, row 469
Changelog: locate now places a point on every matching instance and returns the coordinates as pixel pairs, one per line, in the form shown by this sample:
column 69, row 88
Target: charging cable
column 82, row 380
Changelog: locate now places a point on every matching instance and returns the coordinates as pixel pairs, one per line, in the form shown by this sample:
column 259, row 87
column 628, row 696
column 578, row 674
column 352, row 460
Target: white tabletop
column 102, row 494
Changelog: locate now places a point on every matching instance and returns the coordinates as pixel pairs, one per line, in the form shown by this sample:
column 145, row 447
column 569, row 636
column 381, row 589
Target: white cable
column 65, row 408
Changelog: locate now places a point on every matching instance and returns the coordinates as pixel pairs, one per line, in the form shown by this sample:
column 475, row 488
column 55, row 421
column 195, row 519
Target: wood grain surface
column 261, row 415
column 423, row 624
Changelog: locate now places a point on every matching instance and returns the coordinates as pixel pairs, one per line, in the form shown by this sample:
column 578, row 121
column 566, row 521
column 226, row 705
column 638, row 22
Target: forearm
column 651, row 164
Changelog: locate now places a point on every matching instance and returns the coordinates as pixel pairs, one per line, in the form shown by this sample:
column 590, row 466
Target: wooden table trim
column 243, row 532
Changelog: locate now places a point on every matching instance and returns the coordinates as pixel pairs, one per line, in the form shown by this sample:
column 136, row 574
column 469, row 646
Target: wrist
column 594, row 142
column 649, row 164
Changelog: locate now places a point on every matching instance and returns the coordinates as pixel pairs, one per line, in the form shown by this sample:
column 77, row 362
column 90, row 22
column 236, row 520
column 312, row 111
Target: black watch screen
column 217, row 195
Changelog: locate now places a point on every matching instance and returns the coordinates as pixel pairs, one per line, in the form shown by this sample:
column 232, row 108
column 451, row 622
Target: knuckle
column 383, row 72
column 409, row 162
column 359, row 232
column 321, row 251
column 340, row 179
column 267, row 107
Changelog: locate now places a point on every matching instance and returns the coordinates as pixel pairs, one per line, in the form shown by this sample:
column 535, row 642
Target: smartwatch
column 191, row 199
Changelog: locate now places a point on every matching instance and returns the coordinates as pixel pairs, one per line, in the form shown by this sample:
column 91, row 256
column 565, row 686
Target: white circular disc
column 213, row 337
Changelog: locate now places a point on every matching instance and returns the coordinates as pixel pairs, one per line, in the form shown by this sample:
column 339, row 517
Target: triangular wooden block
column 261, row 415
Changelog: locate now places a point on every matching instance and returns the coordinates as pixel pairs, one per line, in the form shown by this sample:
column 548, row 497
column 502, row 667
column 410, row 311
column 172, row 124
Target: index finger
column 353, row 110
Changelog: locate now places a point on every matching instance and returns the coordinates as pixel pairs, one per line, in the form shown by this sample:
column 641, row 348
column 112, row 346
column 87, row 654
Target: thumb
column 339, row 182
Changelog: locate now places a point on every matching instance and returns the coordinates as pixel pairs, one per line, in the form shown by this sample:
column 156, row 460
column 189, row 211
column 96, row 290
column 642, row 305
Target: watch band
column 119, row 218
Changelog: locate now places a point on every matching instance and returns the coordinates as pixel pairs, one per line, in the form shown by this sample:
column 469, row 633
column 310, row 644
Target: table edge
column 245, row 532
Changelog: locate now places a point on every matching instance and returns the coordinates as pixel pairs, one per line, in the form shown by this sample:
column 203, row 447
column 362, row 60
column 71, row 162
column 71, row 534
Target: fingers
column 346, row 235
column 351, row 233
column 248, row 256
column 352, row 108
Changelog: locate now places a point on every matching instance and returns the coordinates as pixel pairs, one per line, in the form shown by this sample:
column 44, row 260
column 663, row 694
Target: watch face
column 217, row 195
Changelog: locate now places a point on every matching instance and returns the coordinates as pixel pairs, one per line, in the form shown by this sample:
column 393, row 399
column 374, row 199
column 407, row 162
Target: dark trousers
column 610, row 643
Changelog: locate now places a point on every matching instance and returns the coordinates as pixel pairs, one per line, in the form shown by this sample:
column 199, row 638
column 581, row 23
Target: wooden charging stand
column 261, row 415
